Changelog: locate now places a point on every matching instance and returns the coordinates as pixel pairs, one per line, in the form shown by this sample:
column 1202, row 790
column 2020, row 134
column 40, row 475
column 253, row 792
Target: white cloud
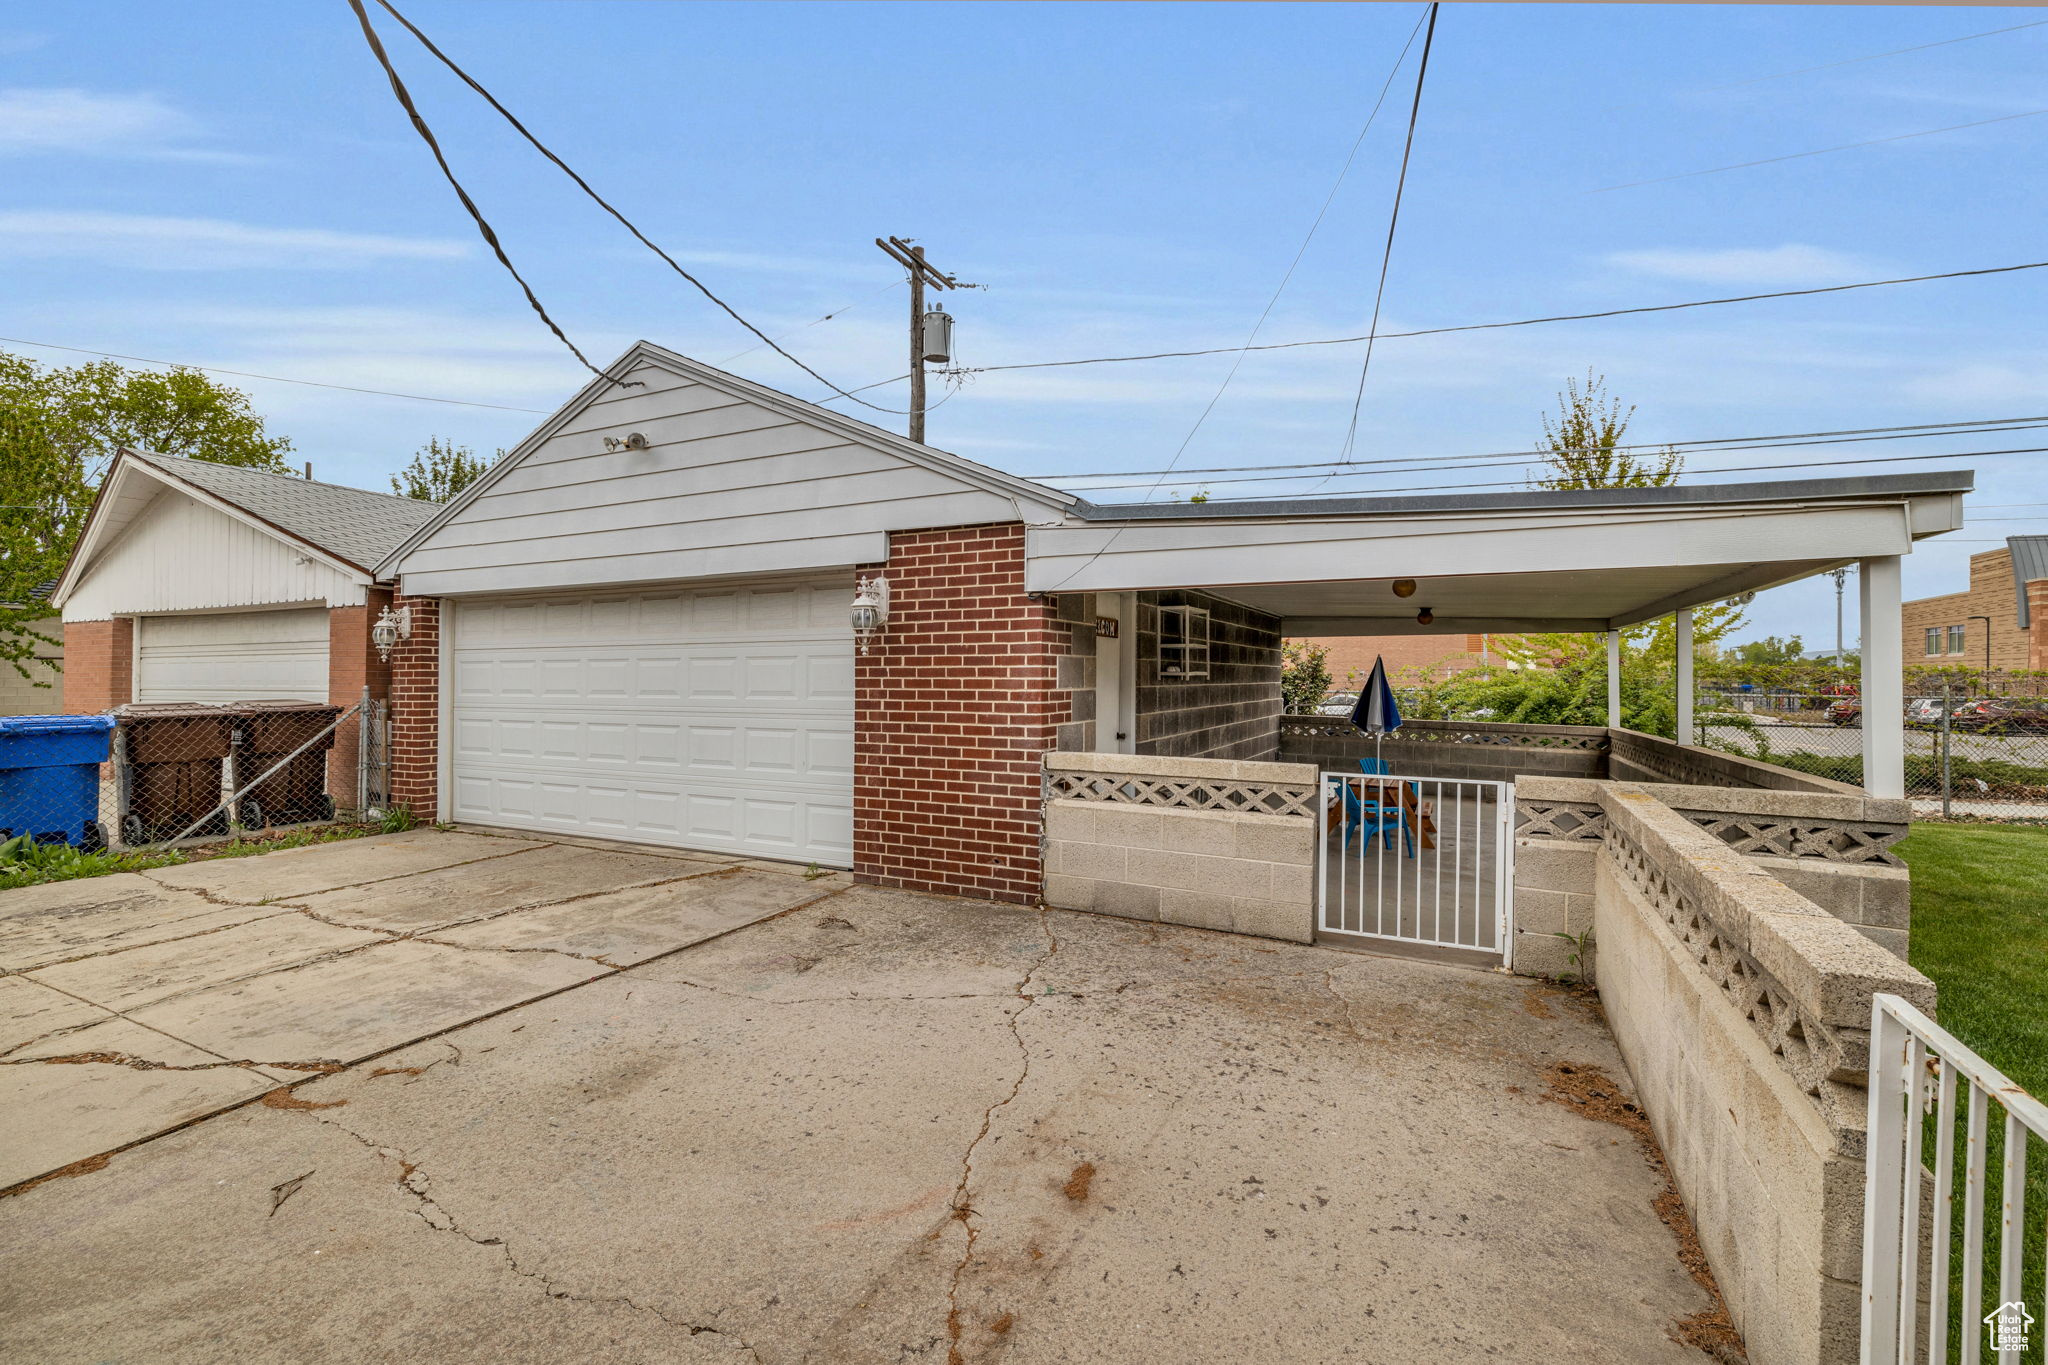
column 1791, row 264
column 80, row 121
column 162, row 243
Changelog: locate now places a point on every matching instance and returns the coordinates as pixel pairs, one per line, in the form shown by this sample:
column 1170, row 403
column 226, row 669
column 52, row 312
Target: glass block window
column 1183, row 643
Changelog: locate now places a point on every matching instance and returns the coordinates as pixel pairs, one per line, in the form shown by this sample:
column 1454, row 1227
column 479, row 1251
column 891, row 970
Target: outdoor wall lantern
column 870, row 610
column 1404, row 587
column 389, row 629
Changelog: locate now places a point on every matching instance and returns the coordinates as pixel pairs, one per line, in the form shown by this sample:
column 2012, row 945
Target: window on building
column 1183, row 642
column 1934, row 640
column 1955, row 639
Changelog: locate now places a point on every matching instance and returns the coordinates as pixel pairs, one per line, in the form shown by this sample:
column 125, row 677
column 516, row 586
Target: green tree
column 1769, row 652
column 1583, row 443
column 439, row 471
column 1304, row 676
column 59, row 429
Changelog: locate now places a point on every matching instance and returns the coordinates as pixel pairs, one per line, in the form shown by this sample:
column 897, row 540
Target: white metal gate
column 1425, row 860
column 1947, row 1129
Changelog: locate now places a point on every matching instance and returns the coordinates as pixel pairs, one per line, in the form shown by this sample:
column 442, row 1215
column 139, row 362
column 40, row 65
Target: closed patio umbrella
column 1376, row 712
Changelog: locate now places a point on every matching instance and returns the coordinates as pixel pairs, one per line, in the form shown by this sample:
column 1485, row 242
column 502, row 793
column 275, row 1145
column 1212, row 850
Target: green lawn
column 1980, row 929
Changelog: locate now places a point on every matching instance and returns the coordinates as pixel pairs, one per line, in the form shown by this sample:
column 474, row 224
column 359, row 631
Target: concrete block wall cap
column 1884, row 810
column 1583, row 790
column 1151, row 765
column 1756, row 801
column 1831, row 970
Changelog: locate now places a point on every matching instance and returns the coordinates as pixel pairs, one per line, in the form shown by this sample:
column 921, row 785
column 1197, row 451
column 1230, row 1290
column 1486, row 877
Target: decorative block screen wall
column 955, row 703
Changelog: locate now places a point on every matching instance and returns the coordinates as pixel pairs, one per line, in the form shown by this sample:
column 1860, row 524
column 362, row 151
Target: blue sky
column 232, row 185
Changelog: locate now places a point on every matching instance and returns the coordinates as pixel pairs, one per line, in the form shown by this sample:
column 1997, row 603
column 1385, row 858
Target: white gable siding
column 726, row 486
column 180, row 555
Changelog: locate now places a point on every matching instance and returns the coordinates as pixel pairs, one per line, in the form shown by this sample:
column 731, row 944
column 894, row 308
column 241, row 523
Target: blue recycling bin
column 50, row 777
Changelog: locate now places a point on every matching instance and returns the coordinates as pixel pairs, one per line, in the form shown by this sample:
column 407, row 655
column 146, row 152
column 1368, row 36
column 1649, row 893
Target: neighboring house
column 636, row 625
column 205, row 582
column 2008, row 596
column 1410, row 659
column 21, row 696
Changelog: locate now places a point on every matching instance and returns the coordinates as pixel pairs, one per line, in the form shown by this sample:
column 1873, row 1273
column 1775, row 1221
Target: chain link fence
column 1969, row 754
column 154, row 776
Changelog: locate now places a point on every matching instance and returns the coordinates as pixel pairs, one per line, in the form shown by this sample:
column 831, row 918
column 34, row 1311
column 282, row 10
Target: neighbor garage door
column 232, row 656
column 715, row 717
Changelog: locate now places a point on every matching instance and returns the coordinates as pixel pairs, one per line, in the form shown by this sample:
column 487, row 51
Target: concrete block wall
column 1553, row 907
column 1238, row 871
column 1230, row 714
column 1766, row 1149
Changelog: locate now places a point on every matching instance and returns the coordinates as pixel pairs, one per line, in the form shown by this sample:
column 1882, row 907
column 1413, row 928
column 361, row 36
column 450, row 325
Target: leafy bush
column 1304, row 676
column 24, row 862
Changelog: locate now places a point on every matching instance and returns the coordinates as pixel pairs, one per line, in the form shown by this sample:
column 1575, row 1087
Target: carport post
column 1884, row 680
column 1614, row 680
column 1683, row 632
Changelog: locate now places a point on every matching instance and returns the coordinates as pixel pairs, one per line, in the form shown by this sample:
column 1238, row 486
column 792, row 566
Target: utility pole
column 1840, row 576
column 931, row 334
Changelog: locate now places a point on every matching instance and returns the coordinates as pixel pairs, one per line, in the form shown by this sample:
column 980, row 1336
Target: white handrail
column 1917, row 1068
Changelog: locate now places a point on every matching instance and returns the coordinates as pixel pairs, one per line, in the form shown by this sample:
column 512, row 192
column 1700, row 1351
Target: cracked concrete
column 885, row 1126
column 196, row 988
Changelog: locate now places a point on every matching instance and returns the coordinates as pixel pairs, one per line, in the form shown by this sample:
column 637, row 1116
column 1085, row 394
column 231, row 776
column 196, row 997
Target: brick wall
column 99, row 665
column 955, row 704
column 1990, row 594
column 416, row 710
column 1232, row 713
column 1409, row 658
column 352, row 665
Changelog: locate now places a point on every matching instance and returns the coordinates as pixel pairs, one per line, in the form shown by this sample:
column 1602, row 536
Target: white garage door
column 232, row 656
column 717, row 717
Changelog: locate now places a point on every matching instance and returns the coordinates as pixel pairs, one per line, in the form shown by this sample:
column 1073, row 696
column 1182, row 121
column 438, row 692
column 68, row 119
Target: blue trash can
column 50, row 777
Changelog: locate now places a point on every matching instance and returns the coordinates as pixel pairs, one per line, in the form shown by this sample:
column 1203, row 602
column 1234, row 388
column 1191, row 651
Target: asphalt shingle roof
column 351, row 523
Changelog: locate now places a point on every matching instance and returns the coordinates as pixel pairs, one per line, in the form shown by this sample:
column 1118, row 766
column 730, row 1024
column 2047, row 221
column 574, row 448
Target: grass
column 26, row 863
column 1980, row 930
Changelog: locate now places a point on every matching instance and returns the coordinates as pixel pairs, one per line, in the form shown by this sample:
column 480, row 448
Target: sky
column 233, row 185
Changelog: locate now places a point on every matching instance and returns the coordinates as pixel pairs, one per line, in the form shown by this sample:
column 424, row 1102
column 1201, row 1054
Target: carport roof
column 1585, row 560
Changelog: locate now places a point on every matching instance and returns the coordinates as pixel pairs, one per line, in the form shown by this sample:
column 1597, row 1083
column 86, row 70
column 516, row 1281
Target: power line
column 1819, row 151
column 836, row 312
column 1726, row 469
column 1514, row 460
column 1428, row 15
column 482, row 224
column 597, row 198
column 1809, row 437
column 1873, row 56
column 272, row 378
column 1393, row 221
column 1518, row 322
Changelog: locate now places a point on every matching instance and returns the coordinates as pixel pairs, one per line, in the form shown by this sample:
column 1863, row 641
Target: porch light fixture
column 870, row 610
column 1424, row 617
column 1404, row 587
column 389, row 629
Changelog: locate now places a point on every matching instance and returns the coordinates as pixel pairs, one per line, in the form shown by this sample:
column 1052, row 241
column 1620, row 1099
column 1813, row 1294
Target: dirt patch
column 1589, row 1091
column 85, row 1167
column 1002, row 1325
column 1077, row 1184
column 1536, row 1005
column 285, row 1099
column 398, row 1071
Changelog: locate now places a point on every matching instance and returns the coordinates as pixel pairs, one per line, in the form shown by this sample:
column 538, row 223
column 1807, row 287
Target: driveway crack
column 417, row 1184
column 963, row 1207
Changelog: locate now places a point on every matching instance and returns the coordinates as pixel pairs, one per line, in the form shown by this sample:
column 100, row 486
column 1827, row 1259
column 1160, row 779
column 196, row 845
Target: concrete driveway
column 877, row 1127
column 136, row 1003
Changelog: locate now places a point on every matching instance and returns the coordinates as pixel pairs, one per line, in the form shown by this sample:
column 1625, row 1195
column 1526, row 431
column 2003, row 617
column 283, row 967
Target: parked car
column 1337, row 704
column 1924, row 711
column 1999, row 717
column 1847, row 711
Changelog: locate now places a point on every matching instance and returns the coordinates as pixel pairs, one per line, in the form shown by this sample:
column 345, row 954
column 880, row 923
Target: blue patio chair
column 1386, row 819
column 1375, row 818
